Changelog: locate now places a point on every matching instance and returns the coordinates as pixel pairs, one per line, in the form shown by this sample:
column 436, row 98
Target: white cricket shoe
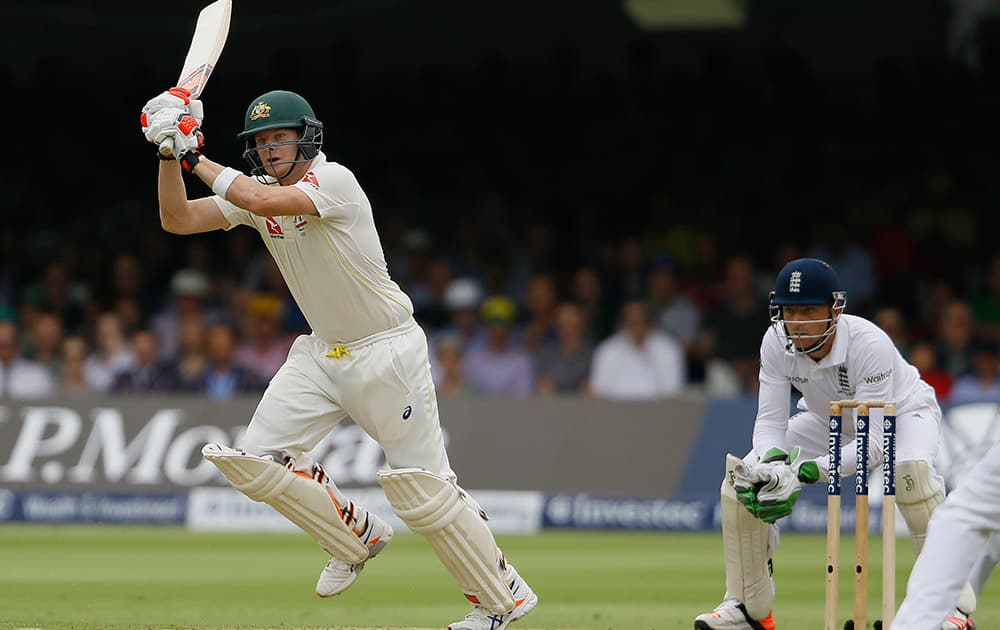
column 337, row 575
column 481, row 619
column 731, row 614
column 958, row 620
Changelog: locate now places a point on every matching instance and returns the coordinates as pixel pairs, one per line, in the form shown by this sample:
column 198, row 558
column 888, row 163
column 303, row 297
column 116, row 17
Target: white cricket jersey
column 863, row 364
column 333, row 264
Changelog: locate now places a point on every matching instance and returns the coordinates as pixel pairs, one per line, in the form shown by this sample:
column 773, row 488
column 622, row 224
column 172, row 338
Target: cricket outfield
column 162, row 577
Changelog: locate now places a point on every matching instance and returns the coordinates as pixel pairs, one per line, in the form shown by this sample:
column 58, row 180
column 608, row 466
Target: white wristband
column 225, row 179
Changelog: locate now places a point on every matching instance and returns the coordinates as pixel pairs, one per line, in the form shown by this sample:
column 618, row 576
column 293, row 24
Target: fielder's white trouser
column 383, row 382
column 958, row 533
column 983, row 568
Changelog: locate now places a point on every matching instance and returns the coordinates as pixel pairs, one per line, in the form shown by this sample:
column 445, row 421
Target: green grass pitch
column 157, row 577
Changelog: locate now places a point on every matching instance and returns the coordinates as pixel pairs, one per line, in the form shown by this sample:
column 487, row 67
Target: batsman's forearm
column 243, row 192
column 171, row 193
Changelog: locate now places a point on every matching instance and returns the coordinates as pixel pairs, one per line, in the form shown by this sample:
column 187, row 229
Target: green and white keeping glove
column 770, row 488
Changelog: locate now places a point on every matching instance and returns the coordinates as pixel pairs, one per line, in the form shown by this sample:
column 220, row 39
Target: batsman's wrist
column 190, row 160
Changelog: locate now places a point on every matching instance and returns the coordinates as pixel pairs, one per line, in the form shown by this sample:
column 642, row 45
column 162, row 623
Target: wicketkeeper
column 366, row 356
column 826, row 355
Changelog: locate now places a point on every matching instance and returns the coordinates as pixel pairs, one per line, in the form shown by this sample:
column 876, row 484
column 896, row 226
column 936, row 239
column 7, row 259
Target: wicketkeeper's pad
column 456, row 528
column 297, row 496
column 746, row 541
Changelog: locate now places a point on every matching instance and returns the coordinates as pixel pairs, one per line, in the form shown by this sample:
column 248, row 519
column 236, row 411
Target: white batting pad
column 434, row 506
column 299, row 498
column 745, row 544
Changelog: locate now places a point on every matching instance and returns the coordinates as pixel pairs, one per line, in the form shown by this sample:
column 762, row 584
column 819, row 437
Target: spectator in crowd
column 638, row 362
column 263, row 349
column 20, row 379
column 45, row 343
column 462, row 299
column 730, row 340
column 192, row 355
column 983, row 384
column 449, row 381
column 540, row 304
column 429, row 299
column 923, row 356
column 148, row 374
column 223, row 378
column 188, row 291
column 499, row 367
column 564, row 363
column 955, row 333
column 891, row 320
column 111, row 354
column 588, row 292
column 673, row 312
column 72, row 380
column 986, row 302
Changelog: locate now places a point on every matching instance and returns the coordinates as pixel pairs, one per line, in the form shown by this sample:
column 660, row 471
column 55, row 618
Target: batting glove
column 175, row 97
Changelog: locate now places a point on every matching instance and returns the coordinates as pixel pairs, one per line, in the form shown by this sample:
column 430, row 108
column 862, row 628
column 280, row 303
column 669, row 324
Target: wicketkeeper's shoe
column 481, row 619
column 958, row 620
column 731, row 614
column 337, row 575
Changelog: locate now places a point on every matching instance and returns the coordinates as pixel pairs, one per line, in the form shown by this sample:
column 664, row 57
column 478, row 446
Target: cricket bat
column 209, row 38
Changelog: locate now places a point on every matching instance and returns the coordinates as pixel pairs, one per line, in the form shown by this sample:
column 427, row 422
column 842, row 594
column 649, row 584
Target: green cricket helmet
column 280, row 109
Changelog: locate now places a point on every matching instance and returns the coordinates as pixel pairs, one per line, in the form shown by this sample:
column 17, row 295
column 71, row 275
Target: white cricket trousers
column 956, row 537
column 383, row 382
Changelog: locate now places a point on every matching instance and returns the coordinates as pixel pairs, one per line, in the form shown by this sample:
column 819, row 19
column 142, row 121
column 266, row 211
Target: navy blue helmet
column 806, row 281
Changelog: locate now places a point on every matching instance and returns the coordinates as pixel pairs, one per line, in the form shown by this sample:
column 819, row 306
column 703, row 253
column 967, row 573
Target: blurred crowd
column 612, row 236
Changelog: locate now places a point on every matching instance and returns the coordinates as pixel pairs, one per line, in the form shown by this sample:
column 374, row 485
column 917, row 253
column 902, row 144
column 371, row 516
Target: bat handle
column 167, row 147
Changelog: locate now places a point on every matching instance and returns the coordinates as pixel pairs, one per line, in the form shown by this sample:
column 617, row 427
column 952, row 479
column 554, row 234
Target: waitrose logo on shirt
column 878, row 378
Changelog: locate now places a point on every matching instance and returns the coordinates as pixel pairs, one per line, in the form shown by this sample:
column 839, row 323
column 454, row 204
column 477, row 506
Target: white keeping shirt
column 333, row 264
column 863, row 364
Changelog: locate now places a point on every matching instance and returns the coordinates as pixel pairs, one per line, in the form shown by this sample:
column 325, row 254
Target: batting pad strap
column 224, row 180
column 435, row 507
column 300, row 499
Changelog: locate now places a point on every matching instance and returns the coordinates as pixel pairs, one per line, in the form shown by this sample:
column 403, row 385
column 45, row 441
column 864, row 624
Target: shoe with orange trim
column 731, row 614
column 481, row 619
column 958, row 620
column 337, row 575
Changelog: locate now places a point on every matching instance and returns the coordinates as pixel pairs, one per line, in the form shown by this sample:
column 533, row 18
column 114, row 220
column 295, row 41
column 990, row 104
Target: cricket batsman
column 366, row 356
column 826, row 355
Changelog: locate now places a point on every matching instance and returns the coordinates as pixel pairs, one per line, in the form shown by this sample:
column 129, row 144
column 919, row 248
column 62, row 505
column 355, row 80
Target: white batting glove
column 175, row 97
column 181, row 138
column 154, row 126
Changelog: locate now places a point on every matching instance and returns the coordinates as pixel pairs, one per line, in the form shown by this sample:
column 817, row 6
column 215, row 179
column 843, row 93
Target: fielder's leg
column 748, row 544
column 956, row 537
column 919, row 492
column 455, row 526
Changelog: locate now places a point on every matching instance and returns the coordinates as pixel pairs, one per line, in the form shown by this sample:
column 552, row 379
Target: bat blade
column 209, row 38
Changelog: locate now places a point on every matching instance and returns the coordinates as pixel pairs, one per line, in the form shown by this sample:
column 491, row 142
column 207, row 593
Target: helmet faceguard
column 805, row 282
column 280, row 110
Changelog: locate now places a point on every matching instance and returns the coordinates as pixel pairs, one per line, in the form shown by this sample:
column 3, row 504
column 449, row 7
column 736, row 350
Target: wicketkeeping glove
column 770, row 488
